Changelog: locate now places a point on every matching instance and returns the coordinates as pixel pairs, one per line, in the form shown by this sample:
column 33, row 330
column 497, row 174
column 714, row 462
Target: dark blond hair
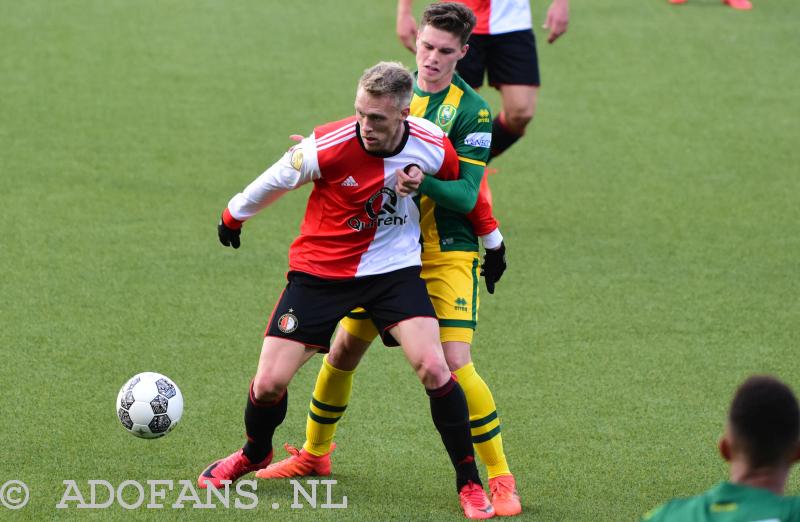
column 388, row 79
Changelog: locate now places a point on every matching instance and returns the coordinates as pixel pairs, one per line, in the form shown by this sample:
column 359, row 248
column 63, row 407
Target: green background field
column 651, row 216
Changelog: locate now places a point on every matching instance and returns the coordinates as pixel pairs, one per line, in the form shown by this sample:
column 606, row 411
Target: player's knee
column 267, row 388
column 516, row 119
column 432, row 372
column 335, row 357
column 457, row 354
column 344, row 360
column 346, row 352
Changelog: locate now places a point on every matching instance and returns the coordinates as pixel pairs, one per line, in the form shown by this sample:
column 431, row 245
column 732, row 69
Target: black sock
column 502, row 138
column 451, row 418
column 260, row 421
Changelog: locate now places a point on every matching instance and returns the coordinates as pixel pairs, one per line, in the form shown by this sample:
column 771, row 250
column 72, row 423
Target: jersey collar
column 395, row 152
column 441, row 93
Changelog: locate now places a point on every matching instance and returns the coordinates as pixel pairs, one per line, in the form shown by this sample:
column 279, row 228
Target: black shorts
column 310, row 307
column 509, row 58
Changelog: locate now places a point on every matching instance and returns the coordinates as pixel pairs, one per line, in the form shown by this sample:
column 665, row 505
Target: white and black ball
column 149, row 405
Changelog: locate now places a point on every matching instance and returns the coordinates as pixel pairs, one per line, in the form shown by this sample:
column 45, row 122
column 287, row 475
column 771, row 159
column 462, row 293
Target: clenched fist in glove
column 494, row 264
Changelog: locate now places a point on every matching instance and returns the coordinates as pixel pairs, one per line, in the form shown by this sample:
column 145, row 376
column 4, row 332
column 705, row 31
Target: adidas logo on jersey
column 350, row 182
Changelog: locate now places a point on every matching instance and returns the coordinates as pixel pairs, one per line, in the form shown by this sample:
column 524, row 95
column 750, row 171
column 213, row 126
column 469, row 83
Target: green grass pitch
column 651, row 216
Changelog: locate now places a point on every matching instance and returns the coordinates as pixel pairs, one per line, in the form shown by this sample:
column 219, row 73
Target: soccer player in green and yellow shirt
column 761, row 443
column 450, row 263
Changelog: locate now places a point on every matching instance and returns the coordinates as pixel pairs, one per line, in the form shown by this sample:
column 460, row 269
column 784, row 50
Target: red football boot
column 475, row 503
column 741, row 5
column 231, row 468
column 505, row 498
column 299, row 464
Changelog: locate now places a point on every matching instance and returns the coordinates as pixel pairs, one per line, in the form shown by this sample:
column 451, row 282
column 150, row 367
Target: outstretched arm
column 297, row 167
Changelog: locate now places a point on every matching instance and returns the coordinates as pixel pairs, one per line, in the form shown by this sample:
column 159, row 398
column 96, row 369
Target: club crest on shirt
column 297, row 157
column 287, row 323
column 445, row 115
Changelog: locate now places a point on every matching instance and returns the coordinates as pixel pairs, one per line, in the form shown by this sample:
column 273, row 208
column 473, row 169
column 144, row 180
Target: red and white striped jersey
column 355, row 224
column 500, row 16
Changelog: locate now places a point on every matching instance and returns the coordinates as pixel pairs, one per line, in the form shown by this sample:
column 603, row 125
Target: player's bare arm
column 406, row 25
column 557, row 19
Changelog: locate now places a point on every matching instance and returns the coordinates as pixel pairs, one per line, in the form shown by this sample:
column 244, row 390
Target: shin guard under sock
column 451, row 418
column 260, row 421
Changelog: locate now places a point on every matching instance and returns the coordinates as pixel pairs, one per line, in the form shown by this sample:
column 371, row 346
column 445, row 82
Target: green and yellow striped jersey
column 465, row 117
column 728, row 502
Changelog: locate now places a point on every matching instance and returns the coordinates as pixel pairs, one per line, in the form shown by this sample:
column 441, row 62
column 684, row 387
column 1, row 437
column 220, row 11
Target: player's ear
column 725, row 448
column 464, row 49
column 405, row 112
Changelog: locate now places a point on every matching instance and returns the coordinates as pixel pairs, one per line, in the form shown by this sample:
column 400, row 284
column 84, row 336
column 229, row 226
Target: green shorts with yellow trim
column 452, row 279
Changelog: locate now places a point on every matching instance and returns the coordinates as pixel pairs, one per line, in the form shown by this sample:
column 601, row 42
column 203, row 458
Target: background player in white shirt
column 503, row 46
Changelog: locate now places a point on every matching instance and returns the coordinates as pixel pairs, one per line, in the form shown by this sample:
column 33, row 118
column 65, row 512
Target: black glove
column 494, row 264
column 228, row 236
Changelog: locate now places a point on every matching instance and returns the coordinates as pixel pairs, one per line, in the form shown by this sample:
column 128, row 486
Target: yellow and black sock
column 328, row 403
column 484, row 423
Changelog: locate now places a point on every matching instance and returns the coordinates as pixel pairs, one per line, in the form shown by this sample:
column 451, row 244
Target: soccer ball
column 149, row 405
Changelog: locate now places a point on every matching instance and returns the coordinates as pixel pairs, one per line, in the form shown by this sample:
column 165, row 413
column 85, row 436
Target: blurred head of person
column 762, row 435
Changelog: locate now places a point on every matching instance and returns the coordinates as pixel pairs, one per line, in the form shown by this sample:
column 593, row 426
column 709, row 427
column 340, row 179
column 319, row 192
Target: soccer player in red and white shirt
column 358, row 246
column 502, row 46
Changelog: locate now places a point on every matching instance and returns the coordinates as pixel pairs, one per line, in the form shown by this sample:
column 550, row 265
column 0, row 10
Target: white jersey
column 500, row 16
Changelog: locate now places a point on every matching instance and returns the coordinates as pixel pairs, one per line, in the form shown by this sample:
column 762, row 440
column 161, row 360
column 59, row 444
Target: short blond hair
column 389, row 79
